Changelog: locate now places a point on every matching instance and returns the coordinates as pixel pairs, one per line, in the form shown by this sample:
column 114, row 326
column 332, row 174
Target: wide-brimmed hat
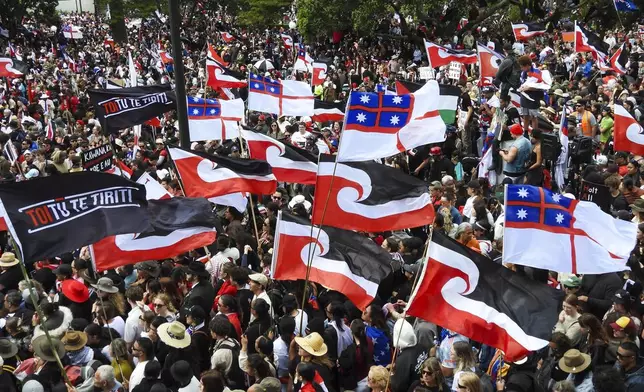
column 75, row 290
column 550, row 111
column 197, row 268
column 151, row 267
column 44, row 350
column 106, row 285
column 312, row 344
column 559, row 92
column 8, row 348
column 174, row 334
column 638, row 205
column 74, row 340
column 8, row 259
column 300, row 199
column 574, row 361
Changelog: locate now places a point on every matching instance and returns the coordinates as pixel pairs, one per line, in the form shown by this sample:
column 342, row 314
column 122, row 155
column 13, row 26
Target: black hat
column 197, row 268
column 8, row 348
column 474, row 184
column 64, row 270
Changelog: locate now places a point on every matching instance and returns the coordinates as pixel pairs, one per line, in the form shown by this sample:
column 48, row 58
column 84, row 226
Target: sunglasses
column 159, row 305
column 621, row 356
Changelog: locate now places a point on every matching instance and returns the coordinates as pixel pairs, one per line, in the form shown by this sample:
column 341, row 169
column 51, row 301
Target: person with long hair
column 356, row 360
column 292, row 309
column 312, row 349
column 212, row 381
column 465, row 361
column 431, row 377
column 227, row 305
column 469, row 382
column 169, row 288
column 337, row 331
column 378, row 378
column 534, row 174
column 594, row 339
column 164, row 307
column 260, row 325
column 378, row 332
column 568, row 322
column 120, row 359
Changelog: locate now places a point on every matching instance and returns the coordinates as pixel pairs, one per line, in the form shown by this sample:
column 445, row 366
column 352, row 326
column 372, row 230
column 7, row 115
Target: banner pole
column 109, row 331
column 250, row 196
column 34, row 300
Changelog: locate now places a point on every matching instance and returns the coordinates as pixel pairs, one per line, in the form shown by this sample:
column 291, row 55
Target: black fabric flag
column 53, row 215
column 126, row 107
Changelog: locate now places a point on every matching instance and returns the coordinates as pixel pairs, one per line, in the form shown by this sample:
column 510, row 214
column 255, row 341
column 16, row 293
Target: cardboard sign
column 454, row 70
column 426, row 73
column 597, row 193
column 98, row 159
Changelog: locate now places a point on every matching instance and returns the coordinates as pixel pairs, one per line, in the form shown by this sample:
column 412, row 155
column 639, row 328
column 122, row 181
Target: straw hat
column 8, row 259
column 74, row 340
column 174, row 334
column 312, row 344
column 45, row 351
column 574, row 361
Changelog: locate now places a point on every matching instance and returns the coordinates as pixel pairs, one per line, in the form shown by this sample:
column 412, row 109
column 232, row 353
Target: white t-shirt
column 118, row 324
column 192, row 387
column 299, row 139
column 133, row 326
column 305, row 322
column 137, row 374
column 266, row 298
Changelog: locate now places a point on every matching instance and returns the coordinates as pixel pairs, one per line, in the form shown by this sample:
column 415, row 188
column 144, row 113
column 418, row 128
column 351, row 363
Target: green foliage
column 260, row 14
column 318, row 18
column 12, row 12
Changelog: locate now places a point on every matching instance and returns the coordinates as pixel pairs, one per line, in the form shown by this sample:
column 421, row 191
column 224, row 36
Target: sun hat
column 259, row 278
column 174, row 334
column 44, row 350
column 574, row 361
column 8, row 348
column 550, row 110
column 269, row 384
column 32, row 386
column 106, row 285
column 573, row 281
column 151, row 267
column 638, row 205
column 74, row 340
column 75, row 290
column 8, row 259
column 312, row 344
column 623, row 323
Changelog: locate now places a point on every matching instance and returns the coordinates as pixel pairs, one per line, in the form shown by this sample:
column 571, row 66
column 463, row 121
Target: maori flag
column 368, row 196
column 343, row 260
column 53, row 215
column 123, row 108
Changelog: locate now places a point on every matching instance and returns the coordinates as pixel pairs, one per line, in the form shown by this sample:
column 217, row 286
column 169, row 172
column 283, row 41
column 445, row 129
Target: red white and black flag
column 290, row 164
column 587, row 41
column 368, row 196
column 53, row 215
column 464, row 291
column 179, row 225
column 208, row 176
column 343, row 260
column 440, row 55
column 618, row 60
column 324, row 111
column 526, row 30
column 218, row 75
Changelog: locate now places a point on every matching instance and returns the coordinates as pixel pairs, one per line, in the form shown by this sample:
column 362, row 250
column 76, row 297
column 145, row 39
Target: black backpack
column 236, row 378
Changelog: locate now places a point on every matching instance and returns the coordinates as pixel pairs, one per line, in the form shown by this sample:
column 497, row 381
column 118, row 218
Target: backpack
column 235, row 379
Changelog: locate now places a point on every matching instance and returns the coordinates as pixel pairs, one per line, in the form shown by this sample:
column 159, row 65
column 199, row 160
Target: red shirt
column 234, row 320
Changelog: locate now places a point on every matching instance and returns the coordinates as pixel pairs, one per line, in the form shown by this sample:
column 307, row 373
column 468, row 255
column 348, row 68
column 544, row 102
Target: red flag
column 319, row 74
column 440, row 55
column 489, row 62
column 227, row 37
column 7, row 70
column 154, row 122
column 628, row 133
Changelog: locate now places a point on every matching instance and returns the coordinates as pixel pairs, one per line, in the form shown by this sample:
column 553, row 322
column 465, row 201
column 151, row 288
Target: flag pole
column 179, row 73
column 413, row 288
column 250, row 196
column 109, row 331
column 34, row 300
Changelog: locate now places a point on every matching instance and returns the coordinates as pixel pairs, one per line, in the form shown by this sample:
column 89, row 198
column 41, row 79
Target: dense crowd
column 219, row 322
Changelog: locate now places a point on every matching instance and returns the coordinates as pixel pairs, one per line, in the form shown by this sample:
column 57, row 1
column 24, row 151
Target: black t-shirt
column 618, row 202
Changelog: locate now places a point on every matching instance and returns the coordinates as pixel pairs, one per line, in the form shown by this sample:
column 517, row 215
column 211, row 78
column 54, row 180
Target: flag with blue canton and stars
column 263, row 85
column 538, row 208
column 373, row 112
column 203, row 109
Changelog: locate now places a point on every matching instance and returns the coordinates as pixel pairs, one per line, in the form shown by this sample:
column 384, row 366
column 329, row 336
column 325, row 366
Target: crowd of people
column 187, row 325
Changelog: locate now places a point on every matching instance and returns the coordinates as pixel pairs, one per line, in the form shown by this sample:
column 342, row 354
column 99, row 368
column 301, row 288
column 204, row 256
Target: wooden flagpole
column 250, row 196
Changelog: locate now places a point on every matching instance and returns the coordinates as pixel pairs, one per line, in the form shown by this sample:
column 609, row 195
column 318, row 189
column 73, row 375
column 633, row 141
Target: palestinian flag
column 447, row 104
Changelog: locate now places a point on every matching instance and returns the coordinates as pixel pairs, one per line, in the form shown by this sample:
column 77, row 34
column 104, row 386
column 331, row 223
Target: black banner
column 126, row 107
column 53, row 215
column 597, row 193
column 98, row 159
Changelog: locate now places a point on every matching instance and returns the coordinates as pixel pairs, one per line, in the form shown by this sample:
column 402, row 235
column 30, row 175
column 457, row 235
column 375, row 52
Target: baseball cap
column 259, row 278
column 435, row 185
column 573, row 281
column 623, row 323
